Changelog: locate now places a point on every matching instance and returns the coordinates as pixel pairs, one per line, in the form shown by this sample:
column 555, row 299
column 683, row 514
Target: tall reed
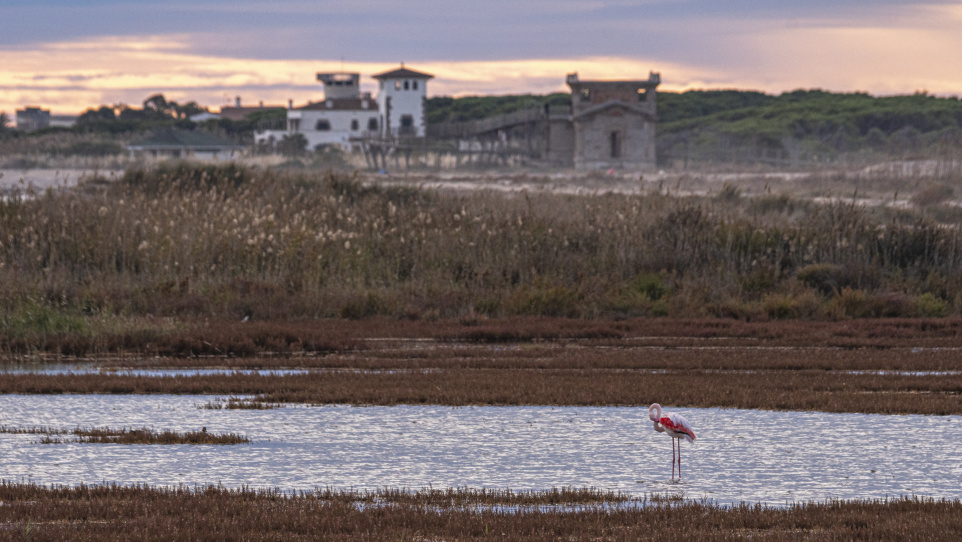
column 230, row 241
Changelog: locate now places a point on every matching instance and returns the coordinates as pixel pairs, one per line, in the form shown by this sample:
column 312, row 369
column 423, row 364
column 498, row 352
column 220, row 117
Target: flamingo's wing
column 678, row 424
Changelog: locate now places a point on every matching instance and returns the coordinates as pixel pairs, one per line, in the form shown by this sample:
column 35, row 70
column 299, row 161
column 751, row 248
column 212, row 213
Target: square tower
column 400, row 100
column 614, row 122
column 341, row 85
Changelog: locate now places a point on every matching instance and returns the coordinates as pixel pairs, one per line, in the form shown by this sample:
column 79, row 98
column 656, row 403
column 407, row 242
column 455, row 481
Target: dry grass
column 212, row 513
column 231, row 242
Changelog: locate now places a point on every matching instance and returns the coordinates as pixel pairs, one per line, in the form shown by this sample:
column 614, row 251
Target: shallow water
column 740, row 455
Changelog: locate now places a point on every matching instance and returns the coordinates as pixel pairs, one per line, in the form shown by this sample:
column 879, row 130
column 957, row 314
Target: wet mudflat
column 741, row 455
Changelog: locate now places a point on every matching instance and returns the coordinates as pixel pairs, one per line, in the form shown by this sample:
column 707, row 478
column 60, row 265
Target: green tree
column 292, row 145
column 157, row 107
column 187, row 110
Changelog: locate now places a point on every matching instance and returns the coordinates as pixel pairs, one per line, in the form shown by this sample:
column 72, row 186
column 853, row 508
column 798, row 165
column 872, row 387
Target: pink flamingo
column 677, row 428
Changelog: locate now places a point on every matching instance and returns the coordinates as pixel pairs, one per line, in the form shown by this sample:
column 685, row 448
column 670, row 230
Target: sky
column 70, row 55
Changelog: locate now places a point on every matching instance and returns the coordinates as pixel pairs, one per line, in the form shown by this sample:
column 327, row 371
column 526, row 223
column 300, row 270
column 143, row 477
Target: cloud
column 127, row 69
column 244, row 49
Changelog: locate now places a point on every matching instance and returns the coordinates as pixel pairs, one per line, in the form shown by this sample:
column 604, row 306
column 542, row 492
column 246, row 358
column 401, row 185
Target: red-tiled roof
column 403, row 73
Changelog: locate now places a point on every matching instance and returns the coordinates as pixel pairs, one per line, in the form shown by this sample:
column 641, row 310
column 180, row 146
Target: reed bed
column 113, row 512
column 230, row 242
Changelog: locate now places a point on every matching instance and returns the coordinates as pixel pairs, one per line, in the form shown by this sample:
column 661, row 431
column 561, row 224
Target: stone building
column 610, row 124
column 606, row 124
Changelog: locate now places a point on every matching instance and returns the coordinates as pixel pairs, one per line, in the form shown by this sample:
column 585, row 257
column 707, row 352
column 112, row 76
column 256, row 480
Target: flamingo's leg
column 679, row 459
column 672, row 459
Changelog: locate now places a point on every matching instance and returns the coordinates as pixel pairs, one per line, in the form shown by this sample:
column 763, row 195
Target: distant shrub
column 890, row 305
column 933, row 194
column 826, row 278
column 775, row 204
column 292, row 145
column 848, row 303
column 543, row 300
column 738, row 309
column 362, row 306
column 330, row 157
column 927, row 305
column 651, row 285
column 780, row 307
column 729, row 193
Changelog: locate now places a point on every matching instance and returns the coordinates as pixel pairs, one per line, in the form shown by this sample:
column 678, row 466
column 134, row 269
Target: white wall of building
column 326, row 126
column 398, row 110
column 397, row 98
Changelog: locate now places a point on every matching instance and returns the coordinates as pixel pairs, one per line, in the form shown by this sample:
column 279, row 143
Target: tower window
column 414, row 84
column 407, row 85
column 397, row 85
column 354, row 124
column 372, row 124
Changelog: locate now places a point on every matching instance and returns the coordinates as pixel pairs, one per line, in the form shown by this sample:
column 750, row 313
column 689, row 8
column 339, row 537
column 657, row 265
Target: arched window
column 372, row 124
column 323, row 125
column 414, row 84
column 407, row 85
column 354, row 124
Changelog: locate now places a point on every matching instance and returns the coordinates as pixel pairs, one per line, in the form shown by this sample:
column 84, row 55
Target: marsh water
column 741, row 455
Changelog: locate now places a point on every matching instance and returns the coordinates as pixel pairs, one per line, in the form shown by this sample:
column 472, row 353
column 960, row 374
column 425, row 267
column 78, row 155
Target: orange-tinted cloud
column 897, row 56
column 75, row 76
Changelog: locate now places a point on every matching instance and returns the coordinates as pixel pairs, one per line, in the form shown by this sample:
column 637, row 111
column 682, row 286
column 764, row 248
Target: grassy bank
column 211, row 513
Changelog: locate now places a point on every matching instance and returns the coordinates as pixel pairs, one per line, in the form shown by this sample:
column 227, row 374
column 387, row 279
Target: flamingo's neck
column 654, row 412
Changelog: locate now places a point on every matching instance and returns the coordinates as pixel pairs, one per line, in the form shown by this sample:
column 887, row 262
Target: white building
column 346, row 113
column 400, row 102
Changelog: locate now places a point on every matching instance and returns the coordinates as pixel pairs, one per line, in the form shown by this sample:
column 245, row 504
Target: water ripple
column 740, row 455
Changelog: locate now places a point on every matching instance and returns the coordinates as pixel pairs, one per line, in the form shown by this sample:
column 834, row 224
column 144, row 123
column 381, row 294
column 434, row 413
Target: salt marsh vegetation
column 132, row 261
